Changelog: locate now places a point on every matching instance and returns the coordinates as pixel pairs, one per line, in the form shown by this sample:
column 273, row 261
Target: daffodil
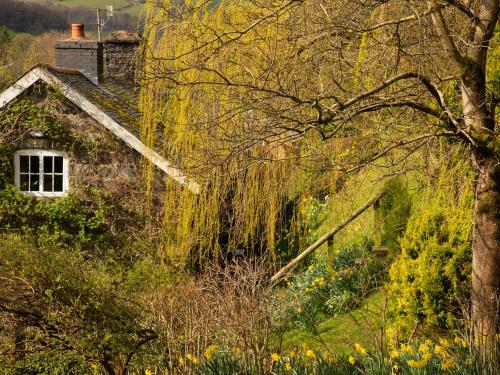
column 275, row 357
column 416, row 364
column 460, row 342
column 424, row 348
column 427, row 356
column 407, row 348
column 448, row 364
column 360, row 349
column 352, row 360
column 320, row 281
column 209, row 352
column 192, row 358
column 310, row 354
column 394, row 354
column 440, row 351
column 445, row 343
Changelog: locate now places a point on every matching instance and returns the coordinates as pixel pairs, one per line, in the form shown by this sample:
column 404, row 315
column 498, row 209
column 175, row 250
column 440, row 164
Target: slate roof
column 117, row 97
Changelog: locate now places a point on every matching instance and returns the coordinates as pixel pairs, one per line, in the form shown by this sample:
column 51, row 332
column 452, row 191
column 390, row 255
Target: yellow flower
column 238, row 350
column 440, row 351
column 460, row 342
column 427, row 356
column 148, row 372
column 181, row 361
column 352, row 360
column 416, row 364
column 320, row 281
column 424, row 348
column 444, row 342
column 299, row 309
column 209, row 352
column 448, row 364
column 407, row 348
column 360, row 349
column 308, row 290
column 310, row 354
column 288, row 366
column 292, row 354
column 394, row 354
column 275, row 357
column 192, row 358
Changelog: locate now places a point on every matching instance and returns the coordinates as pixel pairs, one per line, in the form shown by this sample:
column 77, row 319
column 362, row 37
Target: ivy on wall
column 82, row 219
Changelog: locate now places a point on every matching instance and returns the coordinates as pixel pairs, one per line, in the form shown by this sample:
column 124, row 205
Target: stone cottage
column 84, row 121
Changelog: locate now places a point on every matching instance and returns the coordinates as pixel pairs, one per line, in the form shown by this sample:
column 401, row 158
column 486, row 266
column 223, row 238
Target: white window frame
column 41, row 154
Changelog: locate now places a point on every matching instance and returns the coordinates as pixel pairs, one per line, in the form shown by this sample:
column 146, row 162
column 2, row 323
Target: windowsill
column 45, row 194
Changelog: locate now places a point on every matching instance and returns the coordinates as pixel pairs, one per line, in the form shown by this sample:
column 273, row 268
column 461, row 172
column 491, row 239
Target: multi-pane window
column 41, row 172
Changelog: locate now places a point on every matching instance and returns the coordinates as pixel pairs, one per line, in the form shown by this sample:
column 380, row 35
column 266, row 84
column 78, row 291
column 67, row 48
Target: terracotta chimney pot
column 77, row 31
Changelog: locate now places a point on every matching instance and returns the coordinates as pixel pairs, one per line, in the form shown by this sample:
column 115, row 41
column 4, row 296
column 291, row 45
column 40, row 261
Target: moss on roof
column 116, row 97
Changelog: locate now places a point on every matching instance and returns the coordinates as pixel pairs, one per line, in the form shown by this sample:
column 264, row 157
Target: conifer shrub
column 429, row 282
column 395, row 208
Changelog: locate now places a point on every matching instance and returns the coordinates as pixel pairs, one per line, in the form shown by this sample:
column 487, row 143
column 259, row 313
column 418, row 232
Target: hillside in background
column 37, row 18
column 132, row 7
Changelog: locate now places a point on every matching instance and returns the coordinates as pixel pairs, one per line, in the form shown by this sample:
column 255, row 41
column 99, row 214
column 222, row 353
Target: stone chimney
column 81, row 54
column 121, row 48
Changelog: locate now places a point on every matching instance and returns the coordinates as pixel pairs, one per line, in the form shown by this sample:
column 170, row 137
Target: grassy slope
column 12, row 32
column 340, row 333
column 117, row 4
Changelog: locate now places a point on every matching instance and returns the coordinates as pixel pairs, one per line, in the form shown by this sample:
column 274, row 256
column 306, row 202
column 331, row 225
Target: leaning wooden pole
column 293, row 263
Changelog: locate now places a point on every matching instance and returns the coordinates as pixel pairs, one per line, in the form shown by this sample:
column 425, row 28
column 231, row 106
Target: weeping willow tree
column 259, row 101
column 245, row 161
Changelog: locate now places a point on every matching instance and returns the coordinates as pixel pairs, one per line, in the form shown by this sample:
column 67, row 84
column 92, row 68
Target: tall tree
column 339, row 83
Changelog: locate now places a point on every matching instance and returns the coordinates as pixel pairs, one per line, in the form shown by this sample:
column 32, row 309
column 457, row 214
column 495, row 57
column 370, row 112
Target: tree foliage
column 251, row 94
column 430, row 281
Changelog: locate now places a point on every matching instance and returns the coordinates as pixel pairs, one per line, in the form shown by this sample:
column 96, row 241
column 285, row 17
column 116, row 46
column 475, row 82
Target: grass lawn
column 340, row 333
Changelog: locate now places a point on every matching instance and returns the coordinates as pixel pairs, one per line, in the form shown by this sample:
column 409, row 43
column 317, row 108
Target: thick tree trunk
column 486, row 252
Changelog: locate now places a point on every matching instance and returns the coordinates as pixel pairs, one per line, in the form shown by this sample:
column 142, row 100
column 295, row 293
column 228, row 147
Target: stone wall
column 120, row 57
column 97, row 158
